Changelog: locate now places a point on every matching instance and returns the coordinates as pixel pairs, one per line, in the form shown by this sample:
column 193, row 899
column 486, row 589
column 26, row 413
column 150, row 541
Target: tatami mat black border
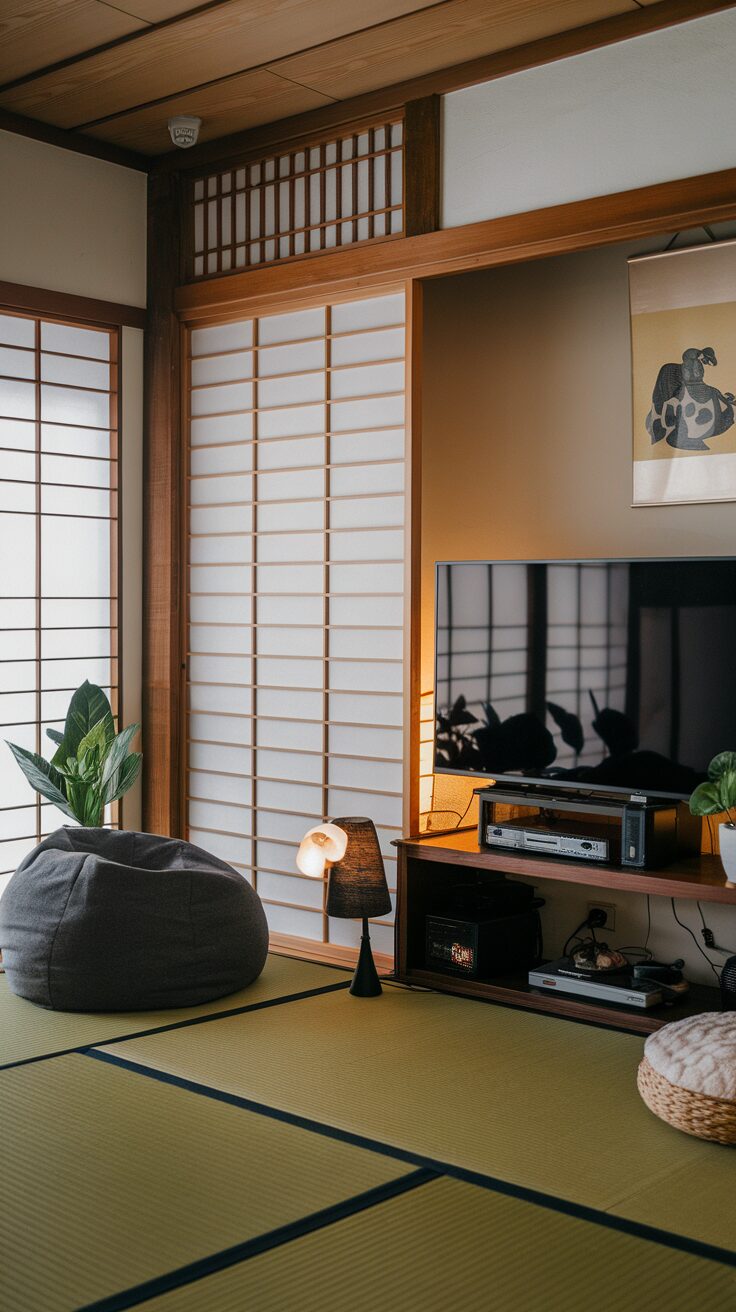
column 181, row 1024
column 207, row 1266
column 581, row 1211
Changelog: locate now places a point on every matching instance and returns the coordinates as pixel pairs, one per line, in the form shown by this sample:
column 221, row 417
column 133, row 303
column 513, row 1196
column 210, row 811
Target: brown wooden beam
column 63, row 305
column 162, row 656
column 579, row 225
column 67, row 140
column 593, row 36
column 422, row 166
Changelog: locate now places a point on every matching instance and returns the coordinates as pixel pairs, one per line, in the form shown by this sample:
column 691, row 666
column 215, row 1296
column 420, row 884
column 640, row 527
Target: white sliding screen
column 59, row 622
column 295, row 605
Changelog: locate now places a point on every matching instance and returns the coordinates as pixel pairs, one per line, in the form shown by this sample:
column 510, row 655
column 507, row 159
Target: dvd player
column 562, row 977
column 526, row 838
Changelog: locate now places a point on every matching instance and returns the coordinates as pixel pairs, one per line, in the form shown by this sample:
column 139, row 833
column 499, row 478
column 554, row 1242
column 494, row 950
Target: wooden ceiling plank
column 166, row 60
column 34, row 33
column 252, row 98
column 422, row 43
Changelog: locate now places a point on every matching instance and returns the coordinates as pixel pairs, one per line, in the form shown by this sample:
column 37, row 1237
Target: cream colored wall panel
column 220, row 489
column 360, row 348
column 291, row 515
column 235, row 367
column 220, row 787
column 223, row 399
column 233, row 458
column 368, row 644
column 289, row 610
column 287, row 454
column 376, row 611
column 376, row 312
column 352, row 708
column 222, row 728
column 234, row 549
column 220, row 610
column 380, row 544
column 290, row 641
column 284, row 548
column 230, row 819
column 223, row 337
column 221, row 428
column 377, row 478
column 282, row 808
column 236, row 761
column 367, row 511
column 224, row 699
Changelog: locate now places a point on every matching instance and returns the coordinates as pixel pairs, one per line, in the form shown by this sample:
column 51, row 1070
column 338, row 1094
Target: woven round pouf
column 687, row 1076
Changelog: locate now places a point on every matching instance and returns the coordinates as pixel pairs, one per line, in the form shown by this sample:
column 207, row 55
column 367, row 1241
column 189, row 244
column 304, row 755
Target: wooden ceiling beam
column 67, row 140
column 486, row 68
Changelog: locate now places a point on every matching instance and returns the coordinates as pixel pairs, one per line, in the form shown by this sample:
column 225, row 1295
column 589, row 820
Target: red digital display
column 462, row 956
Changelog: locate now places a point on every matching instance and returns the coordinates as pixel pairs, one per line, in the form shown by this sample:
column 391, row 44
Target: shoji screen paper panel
column 296, row 593
column 58, row 546
column 334, row 193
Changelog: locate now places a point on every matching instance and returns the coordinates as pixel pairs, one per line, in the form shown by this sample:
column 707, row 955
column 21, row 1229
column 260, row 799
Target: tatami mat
column 449, row 1245
column 547, row 1104
column 109, row 1179
column 28, row 1031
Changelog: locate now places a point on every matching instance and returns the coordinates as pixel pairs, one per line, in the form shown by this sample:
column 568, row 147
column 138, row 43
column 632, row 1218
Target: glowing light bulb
column 323, row 845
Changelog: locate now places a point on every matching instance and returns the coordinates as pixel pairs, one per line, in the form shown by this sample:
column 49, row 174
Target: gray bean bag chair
column 100, row 920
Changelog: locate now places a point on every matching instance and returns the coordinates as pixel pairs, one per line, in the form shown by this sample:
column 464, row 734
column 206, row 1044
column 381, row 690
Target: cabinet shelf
column 423, row 862
column 699, row 877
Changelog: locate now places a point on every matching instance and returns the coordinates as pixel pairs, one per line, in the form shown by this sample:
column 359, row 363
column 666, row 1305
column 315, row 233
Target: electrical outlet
column 610, row 910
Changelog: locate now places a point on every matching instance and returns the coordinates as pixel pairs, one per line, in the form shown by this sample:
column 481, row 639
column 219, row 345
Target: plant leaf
column 97, row 737
column 92, row 808
column 720, row 764
column 726, row 786
column 87, row 707
column 569, row 726
column 706, row 800
column 55, row 735
column 42, row 776
column 114, row 761
column 129, row 772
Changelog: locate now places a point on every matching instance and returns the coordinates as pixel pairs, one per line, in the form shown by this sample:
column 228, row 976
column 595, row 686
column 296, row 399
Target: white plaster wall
column 647, row 110
column 71, row 223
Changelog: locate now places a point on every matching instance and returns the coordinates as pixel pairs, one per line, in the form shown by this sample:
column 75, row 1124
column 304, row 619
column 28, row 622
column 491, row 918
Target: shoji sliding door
column 295, row 606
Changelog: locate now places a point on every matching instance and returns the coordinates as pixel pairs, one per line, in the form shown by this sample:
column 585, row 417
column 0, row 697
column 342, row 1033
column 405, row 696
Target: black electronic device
column 484, row 930
column 637, row 832
column 667, row 977
column 600, row 675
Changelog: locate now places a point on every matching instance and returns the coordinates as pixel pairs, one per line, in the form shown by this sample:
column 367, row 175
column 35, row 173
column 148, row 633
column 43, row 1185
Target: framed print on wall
column 683, row 349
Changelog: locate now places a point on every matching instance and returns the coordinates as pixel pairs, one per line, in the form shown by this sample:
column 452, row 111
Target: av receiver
column 636, row 832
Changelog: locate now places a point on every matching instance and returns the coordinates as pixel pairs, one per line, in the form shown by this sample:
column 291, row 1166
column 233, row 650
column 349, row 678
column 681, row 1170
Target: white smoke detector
column 184, row 130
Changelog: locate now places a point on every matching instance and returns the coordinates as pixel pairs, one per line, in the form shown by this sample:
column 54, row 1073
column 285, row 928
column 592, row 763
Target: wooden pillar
column 422, row 166
column 162, row 653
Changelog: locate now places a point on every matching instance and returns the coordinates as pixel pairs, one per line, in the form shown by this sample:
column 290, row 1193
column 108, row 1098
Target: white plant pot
column 727, row 845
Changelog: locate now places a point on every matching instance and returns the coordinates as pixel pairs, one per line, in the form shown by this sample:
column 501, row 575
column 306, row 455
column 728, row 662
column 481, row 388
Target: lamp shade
column 357, row 885
column 320, row 845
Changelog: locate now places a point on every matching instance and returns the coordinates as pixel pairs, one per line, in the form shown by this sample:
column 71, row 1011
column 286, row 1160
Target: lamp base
column 366, row 983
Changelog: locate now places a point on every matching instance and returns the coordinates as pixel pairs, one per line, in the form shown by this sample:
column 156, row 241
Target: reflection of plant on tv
column 522, row 742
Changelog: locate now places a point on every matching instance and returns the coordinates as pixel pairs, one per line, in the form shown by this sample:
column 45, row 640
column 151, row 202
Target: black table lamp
column 356, row 889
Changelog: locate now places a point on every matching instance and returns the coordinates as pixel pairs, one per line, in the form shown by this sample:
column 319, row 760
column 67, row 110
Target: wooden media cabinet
column 430, row 864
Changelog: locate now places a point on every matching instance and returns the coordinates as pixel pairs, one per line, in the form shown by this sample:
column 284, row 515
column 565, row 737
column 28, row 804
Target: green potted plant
column 92, row 765
column 717, row 796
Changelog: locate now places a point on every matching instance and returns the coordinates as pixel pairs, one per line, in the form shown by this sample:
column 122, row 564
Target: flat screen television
column 603, row 674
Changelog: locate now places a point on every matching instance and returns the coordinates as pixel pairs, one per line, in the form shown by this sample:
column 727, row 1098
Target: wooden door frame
column 562, row 229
